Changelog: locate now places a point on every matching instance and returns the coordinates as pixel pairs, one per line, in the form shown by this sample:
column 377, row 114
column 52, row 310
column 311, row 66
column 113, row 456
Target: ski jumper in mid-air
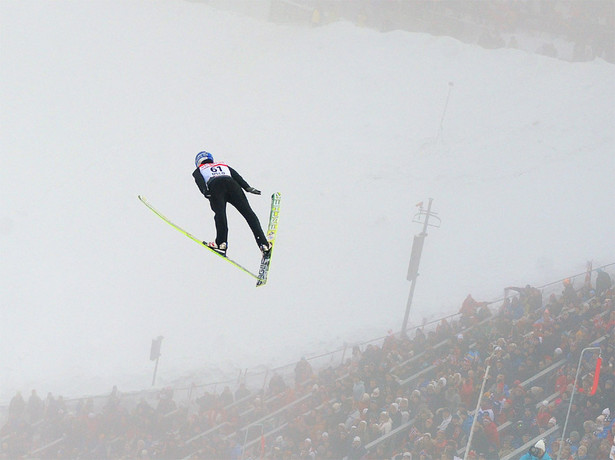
column 221, row 184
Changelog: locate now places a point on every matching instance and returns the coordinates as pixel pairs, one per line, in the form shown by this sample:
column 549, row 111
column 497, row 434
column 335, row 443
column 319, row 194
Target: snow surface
column 102, row 101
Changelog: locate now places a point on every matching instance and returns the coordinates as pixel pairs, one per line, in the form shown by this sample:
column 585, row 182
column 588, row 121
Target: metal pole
column 155, row 371
column 576, row 377
column 411, row 295
column 450, row 87
column 408, row 305
column 480, row 398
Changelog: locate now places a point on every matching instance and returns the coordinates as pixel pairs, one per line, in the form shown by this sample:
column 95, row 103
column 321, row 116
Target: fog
column 102, row 101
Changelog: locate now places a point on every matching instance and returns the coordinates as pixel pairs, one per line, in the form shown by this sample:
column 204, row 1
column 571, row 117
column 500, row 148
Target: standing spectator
column 404, row 410
column 385, row 423
column 569, row 294
column 357, row 451
column 530, row 297
column 307, row 451
column 303, row 371
column 454, row 432
column 466, row 393
column 491, row 433
column 226, row 397
column 17, row 407
column 603, row 282
column 242, row 392
column 36, row 407
column 340, row 442
column 395, row 415
column 358, row 389
column 445, row 418
column 468, row 311
column 480, row 442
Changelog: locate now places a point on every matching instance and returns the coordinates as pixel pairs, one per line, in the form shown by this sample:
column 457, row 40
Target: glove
column 253, row 190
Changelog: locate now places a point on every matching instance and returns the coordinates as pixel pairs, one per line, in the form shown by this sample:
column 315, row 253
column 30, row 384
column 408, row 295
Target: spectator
column 358, row 389
column 357, row 451
column 429, row 374
column 603, row 282
column 385, row 424
column 468, row 311
column 242, row 392
column 17, row 407
column 537, row 452
column 395, row 415
column 303, row 371
column 36, row 408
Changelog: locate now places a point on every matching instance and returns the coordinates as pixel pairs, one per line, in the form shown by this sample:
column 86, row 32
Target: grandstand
column 395, row 397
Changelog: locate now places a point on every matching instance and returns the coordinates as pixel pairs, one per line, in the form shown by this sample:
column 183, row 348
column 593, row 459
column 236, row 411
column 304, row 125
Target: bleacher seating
column 402, row 397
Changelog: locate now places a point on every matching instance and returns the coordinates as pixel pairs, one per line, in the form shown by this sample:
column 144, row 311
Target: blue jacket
column 529, row 456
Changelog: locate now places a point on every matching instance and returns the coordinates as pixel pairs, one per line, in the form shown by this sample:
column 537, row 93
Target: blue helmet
column 203, row 157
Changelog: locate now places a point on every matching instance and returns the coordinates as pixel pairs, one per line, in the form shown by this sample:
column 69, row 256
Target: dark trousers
column 226, row 190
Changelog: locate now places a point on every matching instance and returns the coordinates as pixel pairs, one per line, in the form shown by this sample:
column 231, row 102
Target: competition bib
column 210, row 171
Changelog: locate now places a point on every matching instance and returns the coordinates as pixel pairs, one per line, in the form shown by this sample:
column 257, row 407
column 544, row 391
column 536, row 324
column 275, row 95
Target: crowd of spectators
column 408, row 398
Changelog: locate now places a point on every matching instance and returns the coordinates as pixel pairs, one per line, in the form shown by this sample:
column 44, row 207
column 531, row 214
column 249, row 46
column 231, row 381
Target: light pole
column 480, row 398
column 154, row 355
column 574, row 387
column 415, row 257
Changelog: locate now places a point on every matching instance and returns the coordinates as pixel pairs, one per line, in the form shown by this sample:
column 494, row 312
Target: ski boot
column 219, row 248
column 265, row 248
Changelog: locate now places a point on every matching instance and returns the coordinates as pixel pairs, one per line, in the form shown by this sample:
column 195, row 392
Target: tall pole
column 415, row 258
column 154, row 355
column 155, row 372
column 448, row 95
column 576, row 377
column 480, row 397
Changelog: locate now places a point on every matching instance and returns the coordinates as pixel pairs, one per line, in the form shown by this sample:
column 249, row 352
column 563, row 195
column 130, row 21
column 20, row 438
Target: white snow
column 101, row 101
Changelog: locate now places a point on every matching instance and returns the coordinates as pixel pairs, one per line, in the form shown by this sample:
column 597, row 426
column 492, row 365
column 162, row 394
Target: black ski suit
column 227, row 188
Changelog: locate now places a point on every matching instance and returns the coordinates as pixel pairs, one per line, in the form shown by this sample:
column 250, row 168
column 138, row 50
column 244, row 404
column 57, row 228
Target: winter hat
column 540, row 445
column 552, row 421
column 356, row 439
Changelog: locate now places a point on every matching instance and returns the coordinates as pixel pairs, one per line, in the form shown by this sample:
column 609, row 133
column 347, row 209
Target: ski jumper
column 221, row 184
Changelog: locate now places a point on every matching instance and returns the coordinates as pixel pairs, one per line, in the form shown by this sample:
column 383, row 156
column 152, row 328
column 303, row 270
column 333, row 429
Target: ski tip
column 261, row 282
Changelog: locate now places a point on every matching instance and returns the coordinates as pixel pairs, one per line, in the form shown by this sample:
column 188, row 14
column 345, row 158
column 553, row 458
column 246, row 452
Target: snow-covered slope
column 101, row 101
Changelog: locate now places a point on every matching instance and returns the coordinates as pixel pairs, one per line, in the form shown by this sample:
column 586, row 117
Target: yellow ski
column 195, row 239
column 272, row 231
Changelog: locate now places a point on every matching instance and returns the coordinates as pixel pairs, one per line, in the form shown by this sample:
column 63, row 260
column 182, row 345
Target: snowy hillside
column 101, row 101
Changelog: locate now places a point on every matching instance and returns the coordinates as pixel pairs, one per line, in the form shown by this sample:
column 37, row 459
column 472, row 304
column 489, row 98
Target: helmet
column 202, row 157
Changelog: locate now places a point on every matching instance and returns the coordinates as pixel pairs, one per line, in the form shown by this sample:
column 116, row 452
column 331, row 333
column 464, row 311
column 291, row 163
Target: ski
column 193, row 238
column 272, row 231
